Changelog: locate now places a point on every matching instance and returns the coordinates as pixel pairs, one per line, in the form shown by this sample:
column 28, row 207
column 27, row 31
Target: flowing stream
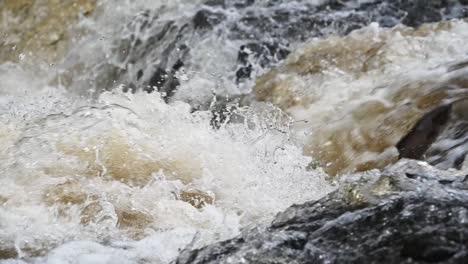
column 147, row 127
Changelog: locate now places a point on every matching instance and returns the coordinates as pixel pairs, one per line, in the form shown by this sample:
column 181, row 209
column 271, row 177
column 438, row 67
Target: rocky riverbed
column 233, row 131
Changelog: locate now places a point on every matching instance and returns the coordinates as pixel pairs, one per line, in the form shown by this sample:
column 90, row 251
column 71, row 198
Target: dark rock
column 301, row 21
column 164, row 82
column 230, row 3
column 139, row 74
column 412, row 221
column 261, row 54
column 205, row 19
column 450, row 148
column 423, row 11
column 264, row 30
column 152, row 53
column 418, row 141
column 243, row 3
column 269, row 28
column 218, row 3
column 243, row 73
column 440, row 138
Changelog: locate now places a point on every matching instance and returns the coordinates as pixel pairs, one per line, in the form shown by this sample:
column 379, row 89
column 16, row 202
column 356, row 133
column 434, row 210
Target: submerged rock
column 409, row 213
column 361, row 96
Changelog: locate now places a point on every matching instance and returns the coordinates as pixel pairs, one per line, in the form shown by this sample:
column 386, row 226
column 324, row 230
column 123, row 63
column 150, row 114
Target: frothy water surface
column 126, row 178
column 130, row 167
column 90, row 173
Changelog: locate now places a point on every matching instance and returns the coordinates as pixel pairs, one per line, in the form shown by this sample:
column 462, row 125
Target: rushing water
column 117, row 177
column 92, row 172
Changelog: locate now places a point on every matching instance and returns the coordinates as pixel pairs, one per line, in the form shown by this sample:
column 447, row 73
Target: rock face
column 38, row 28
column 155, row 48
column 406, row 214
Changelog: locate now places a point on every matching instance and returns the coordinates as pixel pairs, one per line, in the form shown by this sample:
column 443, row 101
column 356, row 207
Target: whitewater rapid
column 92, row 174
column 114, row 177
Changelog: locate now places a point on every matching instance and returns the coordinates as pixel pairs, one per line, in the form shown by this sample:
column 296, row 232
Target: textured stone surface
column 265, row 31
column 407, row 214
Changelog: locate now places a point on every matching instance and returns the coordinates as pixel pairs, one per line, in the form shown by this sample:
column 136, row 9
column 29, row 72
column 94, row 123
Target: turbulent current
column 132, row 131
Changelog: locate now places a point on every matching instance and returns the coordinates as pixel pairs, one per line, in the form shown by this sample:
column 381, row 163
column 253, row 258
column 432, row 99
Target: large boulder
column 409, row 213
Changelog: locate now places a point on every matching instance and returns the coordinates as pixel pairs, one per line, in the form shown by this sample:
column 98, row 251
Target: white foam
column 58, row 146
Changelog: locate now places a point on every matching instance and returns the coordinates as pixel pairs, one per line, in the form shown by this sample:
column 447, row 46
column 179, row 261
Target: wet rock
column 163, row 81
column 281, row 24
column 367, row 133
column 149, row 55
column 217, row 3
column 413, row 221
column 416, row 143
column 303, row 21
column 419, row 12
column 448, row 146
column 205, row 19
column 263, row 31
column 244, row 73
column 264, row 55
column 243, row 3
column 440, row 137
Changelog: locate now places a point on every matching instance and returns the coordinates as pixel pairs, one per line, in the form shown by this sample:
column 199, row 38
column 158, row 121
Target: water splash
column 130, row 167
column 92, row 174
